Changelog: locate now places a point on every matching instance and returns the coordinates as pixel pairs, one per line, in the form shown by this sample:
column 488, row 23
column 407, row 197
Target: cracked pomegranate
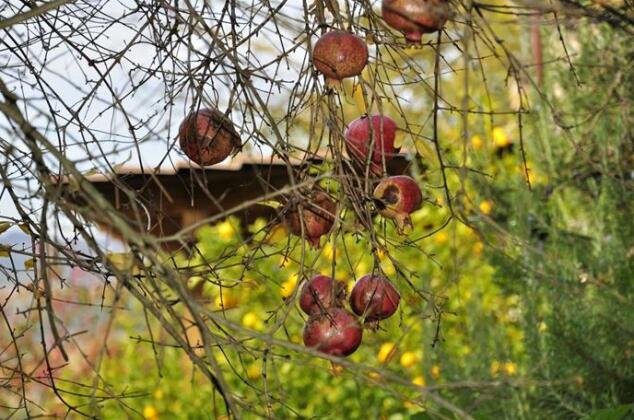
column 374, row 298
column 207, row 137
column 318, row 216
column 396, row 197
column 338, row 55
column 360, row 134
column 320, row 294
column 336, row 332
column 415, row 17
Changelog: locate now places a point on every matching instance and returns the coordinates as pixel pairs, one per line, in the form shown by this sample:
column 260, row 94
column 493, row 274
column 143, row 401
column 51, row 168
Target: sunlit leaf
column 5, row 250
column 4, row 226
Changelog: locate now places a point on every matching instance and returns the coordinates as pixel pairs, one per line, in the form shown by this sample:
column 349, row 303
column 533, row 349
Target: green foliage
column 573, row 262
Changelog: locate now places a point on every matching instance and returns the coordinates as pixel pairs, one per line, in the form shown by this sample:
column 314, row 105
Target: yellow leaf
column 4, row 226
column 30, row 263
column 357, row 95
column 25, row 228
column 5, row 250
column 270, row 203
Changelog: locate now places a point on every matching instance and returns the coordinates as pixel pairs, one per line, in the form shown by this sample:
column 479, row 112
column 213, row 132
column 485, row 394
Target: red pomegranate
column 396, row 197
column 336, row 332
column 374, row 297
column 207, row 137
column 415, row 17
column 360, row 133
column 318, row 216
column 338, row 55
column 320, row 294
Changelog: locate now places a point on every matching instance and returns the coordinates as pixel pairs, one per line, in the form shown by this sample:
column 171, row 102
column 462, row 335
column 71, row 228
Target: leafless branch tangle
column 89, row 85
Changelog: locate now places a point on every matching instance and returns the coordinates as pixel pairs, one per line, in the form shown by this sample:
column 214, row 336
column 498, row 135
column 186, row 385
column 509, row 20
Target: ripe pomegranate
column 318, row 216
column 207, row 137
column 338, row 55
column 396, row 197
column 320, row 294
column 374, row 297
column 336, row 332
column 415, row 17
column 360, row 133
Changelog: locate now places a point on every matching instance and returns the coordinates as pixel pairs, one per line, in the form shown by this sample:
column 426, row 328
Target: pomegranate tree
column 336, row 332
column 363, row 131
column 396, row 197
column 317, row 217
column 320, row 294
column 415, row 17
column 374, row 298
column 208, row 137
column 338, row 55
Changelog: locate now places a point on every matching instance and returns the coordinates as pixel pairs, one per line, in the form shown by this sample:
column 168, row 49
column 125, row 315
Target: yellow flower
column 277, row 233
column 374, row 375
column 441, row 237
column 386, row 352
column 158, row 394
column 477, row 248
column 251, row 320
column 388, row 268
column 254, row 371
column 330, row 252
column 476, row 142
column 288, row 286
column 226, row 230
column 495, row 368
column 226, row 300
column 408, row 359
column 510, row 368
column 150, row 413
column 486, row 206
column 500, row 138
column 336, row 369
column 419, row 380
column 435, row 371
column 409, row 404
column 361, row 269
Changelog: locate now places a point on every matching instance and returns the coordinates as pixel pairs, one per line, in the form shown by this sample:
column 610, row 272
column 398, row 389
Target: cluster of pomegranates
column 331, row 328
column 208, row 137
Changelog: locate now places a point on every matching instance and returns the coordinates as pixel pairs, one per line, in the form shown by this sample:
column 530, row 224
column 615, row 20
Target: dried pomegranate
column 318, row 216
column 207, row 137
column 336, row 332
column 338, row 55
column 396, row 197
column 320, row 294
column 374, row 297
column 360, row 134
column 415, row 17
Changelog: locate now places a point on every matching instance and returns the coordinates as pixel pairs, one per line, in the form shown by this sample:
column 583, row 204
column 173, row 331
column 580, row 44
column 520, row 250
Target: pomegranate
column 396, row 197
column 415, row 17
column 207, row 137
column 318, row 216
column 320, row 294
column 374, row 297
column 336, row 332
column 338, row 55
column 360, row 133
